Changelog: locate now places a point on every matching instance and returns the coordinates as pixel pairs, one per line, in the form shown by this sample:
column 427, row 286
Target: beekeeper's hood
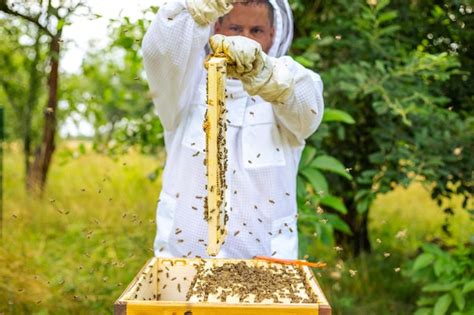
column 283, row 28
column 283, row 23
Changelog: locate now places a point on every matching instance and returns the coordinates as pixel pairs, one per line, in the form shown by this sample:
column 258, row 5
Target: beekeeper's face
column 249, row 20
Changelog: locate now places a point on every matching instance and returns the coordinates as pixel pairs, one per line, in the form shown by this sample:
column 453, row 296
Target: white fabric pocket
column 164, row 222
column 262, row 144
column 284, row 240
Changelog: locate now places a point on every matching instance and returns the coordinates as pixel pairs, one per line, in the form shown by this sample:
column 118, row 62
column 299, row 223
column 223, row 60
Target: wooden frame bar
column 216, row 154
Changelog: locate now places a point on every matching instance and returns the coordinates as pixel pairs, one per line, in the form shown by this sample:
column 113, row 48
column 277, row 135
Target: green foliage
column 408, row 123
column 19, row 71
column 115, row 95
column 313, row 194
column 447, row 280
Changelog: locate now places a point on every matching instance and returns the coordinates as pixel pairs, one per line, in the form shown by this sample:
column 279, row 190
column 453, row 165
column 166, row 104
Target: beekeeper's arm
column 173, row 53
column 295, row 92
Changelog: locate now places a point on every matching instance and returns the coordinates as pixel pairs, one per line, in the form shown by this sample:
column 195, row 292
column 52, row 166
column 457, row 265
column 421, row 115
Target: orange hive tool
column 292, row 262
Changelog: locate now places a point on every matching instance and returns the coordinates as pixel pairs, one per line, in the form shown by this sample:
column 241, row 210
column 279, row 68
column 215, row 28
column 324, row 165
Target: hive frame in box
column 146, row 285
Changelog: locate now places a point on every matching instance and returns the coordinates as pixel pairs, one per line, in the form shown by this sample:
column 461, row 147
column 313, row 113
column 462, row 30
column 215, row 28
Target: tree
column 409, row 123
column 111, row 85
column 49, row 19
column 20, row 81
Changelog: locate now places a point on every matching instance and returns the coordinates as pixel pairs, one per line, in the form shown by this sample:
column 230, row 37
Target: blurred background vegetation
column 385, row 184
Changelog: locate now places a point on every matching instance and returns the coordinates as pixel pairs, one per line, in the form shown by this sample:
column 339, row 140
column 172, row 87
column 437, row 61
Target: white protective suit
column 264, row 140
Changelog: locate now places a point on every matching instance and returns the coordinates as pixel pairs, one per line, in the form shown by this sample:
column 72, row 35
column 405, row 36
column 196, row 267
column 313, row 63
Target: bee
column 278, row 149
column 259, row 220
column 258, row 240
column 236, row 233
column 196, row 154
column 250, row 162
column 179, row 287
column 271, row 201
column 251, row 113
column 164, row 287
column 180, row 241
column 258, row 155
column 288, row 194
column 313, row 111
column 274, row 253
column 194, row 208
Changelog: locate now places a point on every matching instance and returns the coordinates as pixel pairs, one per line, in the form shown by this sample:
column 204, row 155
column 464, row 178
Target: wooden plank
column 216, row 154
column 120, row 308
column 128, row 293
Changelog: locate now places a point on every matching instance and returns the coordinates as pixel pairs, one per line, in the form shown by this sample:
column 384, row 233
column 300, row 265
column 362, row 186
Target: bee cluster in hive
column 243, row 282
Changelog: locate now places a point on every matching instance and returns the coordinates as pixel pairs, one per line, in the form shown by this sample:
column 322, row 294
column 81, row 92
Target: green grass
column 75, row 250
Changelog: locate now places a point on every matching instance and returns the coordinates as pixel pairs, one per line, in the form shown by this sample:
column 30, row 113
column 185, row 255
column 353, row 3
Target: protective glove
column 260, row 74
column 206, row 12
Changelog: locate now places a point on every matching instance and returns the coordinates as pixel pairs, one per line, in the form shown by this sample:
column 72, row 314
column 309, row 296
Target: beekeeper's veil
column 283, row 20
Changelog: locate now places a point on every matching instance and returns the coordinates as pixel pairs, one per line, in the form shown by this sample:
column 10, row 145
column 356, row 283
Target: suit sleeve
column 173, row 54
column 302, row 113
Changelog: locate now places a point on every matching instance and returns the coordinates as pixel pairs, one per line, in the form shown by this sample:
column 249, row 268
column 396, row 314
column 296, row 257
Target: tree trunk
column 32, row 101
column 37, row 177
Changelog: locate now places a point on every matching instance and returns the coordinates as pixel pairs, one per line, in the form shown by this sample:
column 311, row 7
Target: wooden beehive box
column 162, row 286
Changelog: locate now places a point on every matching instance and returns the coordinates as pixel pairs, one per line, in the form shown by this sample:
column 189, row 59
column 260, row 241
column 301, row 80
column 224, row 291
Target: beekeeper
column 273, row 105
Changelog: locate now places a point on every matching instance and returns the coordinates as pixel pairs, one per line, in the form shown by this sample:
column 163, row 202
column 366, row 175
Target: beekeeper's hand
column 260, row 74
column 206, row 12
